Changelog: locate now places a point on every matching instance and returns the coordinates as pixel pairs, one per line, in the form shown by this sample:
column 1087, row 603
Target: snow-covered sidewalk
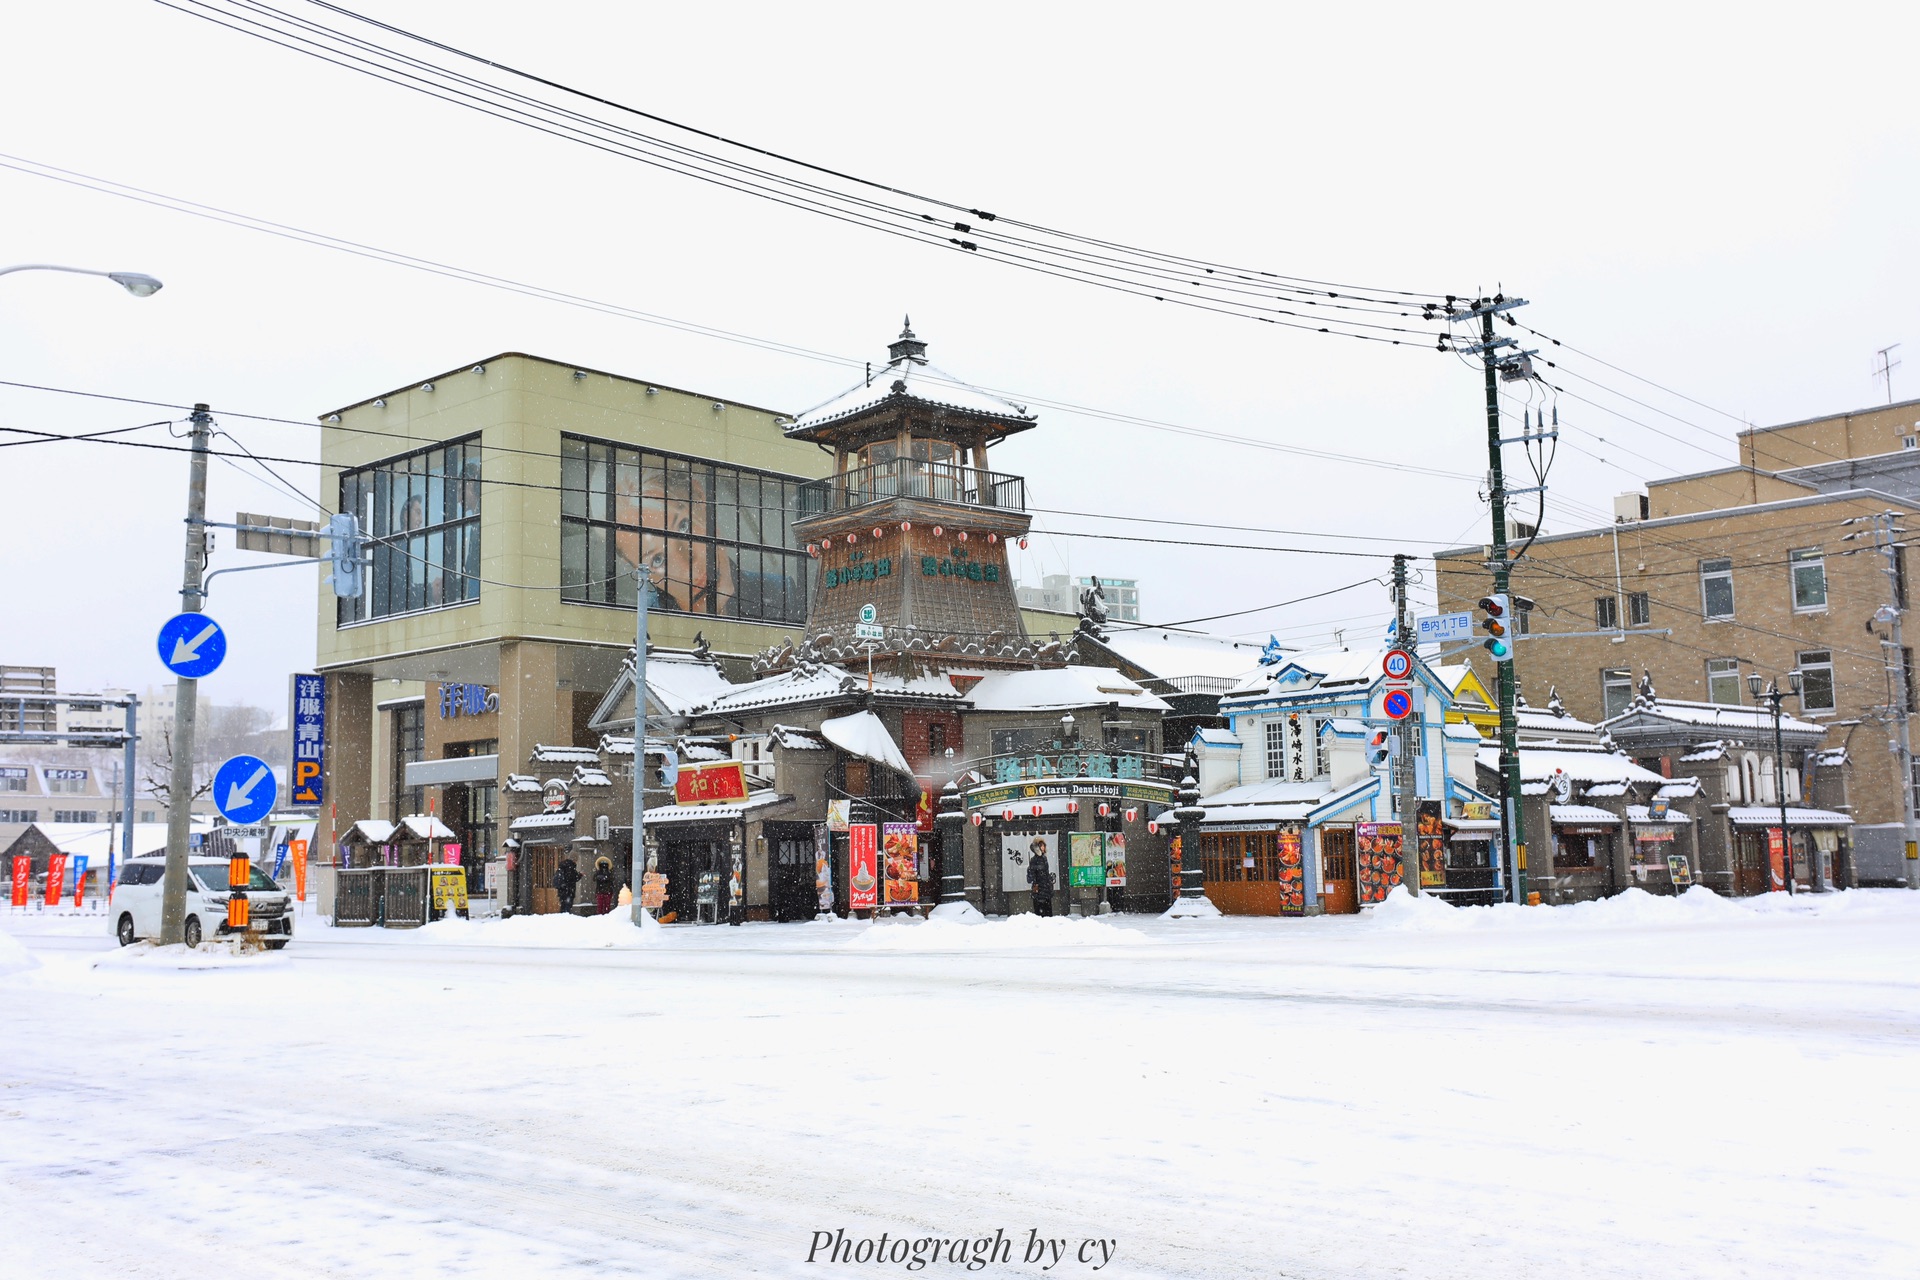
column 1645, row 1086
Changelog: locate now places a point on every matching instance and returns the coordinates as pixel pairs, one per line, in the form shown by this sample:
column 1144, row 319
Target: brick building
column 1706, row 577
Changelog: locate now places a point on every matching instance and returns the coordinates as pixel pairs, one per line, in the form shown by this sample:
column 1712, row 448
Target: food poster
column 1018, row 849
column 900, row 845
column 863, row 870
column 1377, row 859
column 1433, row 846
column 1293, row 885
column 1680, row 869
column 1116, row 860
column 1089, row 863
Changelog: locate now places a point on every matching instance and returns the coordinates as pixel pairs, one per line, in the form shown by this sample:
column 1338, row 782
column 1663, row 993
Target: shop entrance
column 1337, row 886
column 684, row 860
column 790, row 871
column 1752, row 865
column 542, row 860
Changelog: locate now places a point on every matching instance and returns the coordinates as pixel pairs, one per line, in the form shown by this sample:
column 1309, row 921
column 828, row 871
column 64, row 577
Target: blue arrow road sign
column 192, row 645
column 244, row 789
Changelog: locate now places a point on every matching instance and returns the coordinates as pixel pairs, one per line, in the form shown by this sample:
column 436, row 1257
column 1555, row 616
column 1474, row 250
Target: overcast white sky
column 1720, row 199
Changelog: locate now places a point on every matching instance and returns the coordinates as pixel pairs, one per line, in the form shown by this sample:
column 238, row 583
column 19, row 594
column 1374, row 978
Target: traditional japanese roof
column 565, row 755
column 674, row 813
column 908, row 378
column 1705, row 753
column 525, row 781
column 1216, row 738
column 1768, row 815
column 540, row 821
column 1832, row 758
column 98, row 840
column 1679, row 789
column 1643, row 814
column 372, row 830
column 424, row 826
column 1583, row 763
column 1187, row 660
column 1581, row 815
column 1655, row 719
column 794, row 738
column 863, row 734
column 1061, row 689
column 591, row 776
column 1277, row 801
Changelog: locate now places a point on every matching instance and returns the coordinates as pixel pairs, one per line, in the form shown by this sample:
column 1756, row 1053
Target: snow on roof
column 1539, row 720
column 1177, row 655
column 522, row 782
column 1463, row 732
column 1605, row 790
column 565, row 755
column 591, row 776
column 1276, row 801
column 1216, row 738
column 681, row 684
column 1705, row 752
column 1582, row 763
column 1768, row 815
column 1640, row 813
column 372, row 830
column 908, row 378
column 1061, row 689
column 95, row 840
column 864, row 734
column 538, row 821
column 1745, row 719
column 673, row 813
column 1679, row 788
column 795, row 738
column 424, row 826
column 1581, row 814
column 1832, row 757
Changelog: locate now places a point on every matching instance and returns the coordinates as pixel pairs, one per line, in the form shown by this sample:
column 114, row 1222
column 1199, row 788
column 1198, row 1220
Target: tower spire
column 907, row 347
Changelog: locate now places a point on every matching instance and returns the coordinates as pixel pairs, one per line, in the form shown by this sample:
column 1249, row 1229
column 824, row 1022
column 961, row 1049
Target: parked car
column 135, row 904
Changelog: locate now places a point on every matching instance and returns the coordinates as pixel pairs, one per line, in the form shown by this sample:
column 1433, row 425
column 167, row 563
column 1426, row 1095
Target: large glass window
column 421, row 512
column 716, row 539
column 1276, row 749
column 1816, row 680
column 1723, row 681
column 1616, row 691
column 1809, row 579
column 1716, row 588
column 1606, row 613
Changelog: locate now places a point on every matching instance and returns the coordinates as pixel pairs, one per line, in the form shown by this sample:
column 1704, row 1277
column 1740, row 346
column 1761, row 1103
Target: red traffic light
column 1494, row 606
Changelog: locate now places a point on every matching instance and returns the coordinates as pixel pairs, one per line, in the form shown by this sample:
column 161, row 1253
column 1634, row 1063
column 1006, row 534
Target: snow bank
column 13, row 956
column 615, row 929
column 213, row 954
column 1404, row 913
column 1015, row 933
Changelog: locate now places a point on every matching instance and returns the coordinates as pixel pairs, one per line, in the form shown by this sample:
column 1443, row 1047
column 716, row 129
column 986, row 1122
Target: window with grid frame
column 1639, row 609
column 409, row 744
column 1716, row 589
column 1723, row 681
column 421, row 513
column 1606, row 613
column 1616, row 690
column 1809, row 569
column 1276, row 748
column 715, row 539
column 1816, row 679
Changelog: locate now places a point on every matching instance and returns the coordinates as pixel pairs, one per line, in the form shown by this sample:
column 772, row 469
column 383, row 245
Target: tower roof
column 907, row 378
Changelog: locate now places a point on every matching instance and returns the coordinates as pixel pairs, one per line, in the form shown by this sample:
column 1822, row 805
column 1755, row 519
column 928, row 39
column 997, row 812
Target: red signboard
column 923, row 811
column 863, row 866
column 299, row 869
column 22, row 879
column 711, row 783
column 56, row 872
column 1777, row 856
column 450, row 853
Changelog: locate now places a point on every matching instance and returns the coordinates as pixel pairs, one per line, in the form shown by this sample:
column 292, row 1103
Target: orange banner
column 711, row 783
column 56, row 872
column 22, row 879
column 300, row 869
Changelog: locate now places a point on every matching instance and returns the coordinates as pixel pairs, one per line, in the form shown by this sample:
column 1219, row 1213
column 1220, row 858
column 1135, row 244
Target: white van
column 135, row 904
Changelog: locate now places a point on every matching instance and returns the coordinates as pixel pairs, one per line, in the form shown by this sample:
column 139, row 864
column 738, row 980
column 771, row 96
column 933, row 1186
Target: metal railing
column 910, row 478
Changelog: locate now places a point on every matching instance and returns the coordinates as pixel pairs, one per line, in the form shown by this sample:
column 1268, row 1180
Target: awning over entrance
column 1581, row 815
column 437, row 773
column 863, row 734
column 544, row 821
column 1769, row 816
column 668, row 815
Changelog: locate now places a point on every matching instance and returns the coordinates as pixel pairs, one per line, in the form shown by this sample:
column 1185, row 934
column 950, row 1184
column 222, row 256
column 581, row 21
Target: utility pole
column 637, row 860
column 127, row 795
column 1513, row 828
column 1888, row 539
column 173, row 894
column 1406, row 793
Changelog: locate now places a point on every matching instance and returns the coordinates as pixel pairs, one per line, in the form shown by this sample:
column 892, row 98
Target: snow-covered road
column 1640, row 1087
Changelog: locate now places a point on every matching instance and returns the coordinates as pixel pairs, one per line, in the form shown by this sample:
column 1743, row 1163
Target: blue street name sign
column 244, row 789
column 192, row 645
column 1443, row 628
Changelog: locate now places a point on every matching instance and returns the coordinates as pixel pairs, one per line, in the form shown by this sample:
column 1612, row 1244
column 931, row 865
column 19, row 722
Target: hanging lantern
column 813, row 550
column 1023, row 544
column 906, row 526
column 993, row 537
column 1036, row 811
column 852, row 538
column 878, row 532
column 1073, row 806
column 937, row 531
column 1105, row 810
column 1131, row 814
column 1006, row 815
column 963, row 535
column 1153, row 828
column 979, row 818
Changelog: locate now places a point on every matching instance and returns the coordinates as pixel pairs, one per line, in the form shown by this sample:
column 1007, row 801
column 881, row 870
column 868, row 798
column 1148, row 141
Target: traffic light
column 345, row 552
column 1498, row 624
column 1382, row 746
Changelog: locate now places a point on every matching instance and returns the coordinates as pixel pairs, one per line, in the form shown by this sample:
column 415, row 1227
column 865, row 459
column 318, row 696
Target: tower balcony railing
column 910, row 478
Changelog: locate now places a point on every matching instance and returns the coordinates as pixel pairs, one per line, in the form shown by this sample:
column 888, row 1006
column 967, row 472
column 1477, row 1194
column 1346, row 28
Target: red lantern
column 937, row 531
column 963, row 535
column 813, row 550
column 1023, row 544
column 1153, row 828
column 851, row 538
column 877, row 532
column 1073, row 806
column 1036, row 811
column 993, row 537
column 1104, row 810
column 906, row 526
column 1132, row 814
column 979, row 818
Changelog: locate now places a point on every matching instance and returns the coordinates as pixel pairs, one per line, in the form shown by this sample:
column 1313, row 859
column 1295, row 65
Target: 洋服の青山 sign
column 720, row 783
column 309, row 741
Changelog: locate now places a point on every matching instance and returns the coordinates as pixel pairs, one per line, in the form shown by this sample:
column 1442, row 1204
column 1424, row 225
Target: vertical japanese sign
column 900, row 842
column 79, row 878
column 1377, row 846
column 1293, row 891
column 1433, row 846
column 450, row 854
column 1777, row 855
column 1088, row 868
column 923, row 811
column 863, row 871
column 22, row 879
column 823, row 866
column 1116, row 860
column 56, row 875
column 309, row 741
column 299, row 848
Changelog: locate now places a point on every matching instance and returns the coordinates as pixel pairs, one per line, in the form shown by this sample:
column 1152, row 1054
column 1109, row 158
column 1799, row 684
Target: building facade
column 1062, row 593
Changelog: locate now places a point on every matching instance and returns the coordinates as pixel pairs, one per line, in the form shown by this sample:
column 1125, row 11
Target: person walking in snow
column 1040, row 878
column 603, row 886
column 566, row 883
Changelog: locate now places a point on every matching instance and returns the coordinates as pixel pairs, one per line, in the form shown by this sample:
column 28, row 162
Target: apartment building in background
column 1704, row 578
column 1061, row 593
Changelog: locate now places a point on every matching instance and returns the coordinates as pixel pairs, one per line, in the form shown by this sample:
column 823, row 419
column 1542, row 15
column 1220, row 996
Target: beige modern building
column 1705, row 578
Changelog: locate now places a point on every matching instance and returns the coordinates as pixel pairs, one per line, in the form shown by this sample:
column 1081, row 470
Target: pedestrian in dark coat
column 603, row 886
column 566, row 883
column 1040, row 879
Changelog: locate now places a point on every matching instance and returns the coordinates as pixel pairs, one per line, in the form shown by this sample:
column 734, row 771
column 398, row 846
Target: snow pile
column 1404, row 913
column 615, row 929
column 13, row 956
column 212, row 954
column 1015, row 933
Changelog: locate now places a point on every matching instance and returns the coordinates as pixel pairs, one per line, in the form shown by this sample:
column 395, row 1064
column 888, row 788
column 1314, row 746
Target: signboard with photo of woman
column 1018, row 849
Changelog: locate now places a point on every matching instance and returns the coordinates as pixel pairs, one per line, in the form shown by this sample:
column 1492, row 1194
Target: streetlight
column 1773, row 696
column 137, row 283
